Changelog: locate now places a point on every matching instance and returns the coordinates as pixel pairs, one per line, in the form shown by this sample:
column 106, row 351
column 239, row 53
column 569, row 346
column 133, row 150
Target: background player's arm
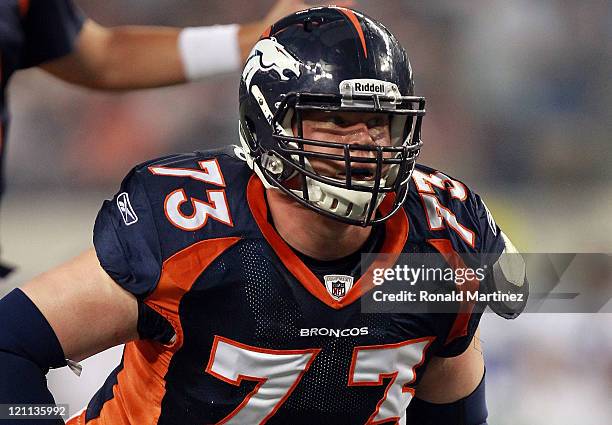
column 87, row 310
column 133, row 57
column 121, row 58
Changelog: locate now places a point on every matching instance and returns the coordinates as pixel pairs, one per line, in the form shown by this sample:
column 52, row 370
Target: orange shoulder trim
column 452, row 257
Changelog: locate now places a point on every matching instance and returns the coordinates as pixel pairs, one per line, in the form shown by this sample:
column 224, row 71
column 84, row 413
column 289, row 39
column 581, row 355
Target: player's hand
column 283, row 8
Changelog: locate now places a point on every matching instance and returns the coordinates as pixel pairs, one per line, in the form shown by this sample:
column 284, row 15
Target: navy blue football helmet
column 330, row 59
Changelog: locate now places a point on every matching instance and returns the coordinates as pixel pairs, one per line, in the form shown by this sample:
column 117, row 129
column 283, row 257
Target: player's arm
column 87, row 310
column 121, row 58
column 133, row 57
column 452, row 390
column 73, row 311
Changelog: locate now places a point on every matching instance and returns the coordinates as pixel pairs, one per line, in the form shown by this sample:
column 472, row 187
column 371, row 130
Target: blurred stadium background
column 519, row 100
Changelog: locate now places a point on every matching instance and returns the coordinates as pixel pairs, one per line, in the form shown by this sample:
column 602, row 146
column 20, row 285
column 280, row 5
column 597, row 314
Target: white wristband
column 206, row 51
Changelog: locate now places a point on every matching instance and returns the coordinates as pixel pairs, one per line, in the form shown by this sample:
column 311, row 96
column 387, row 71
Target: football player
column 57, row 37
column 215, row 267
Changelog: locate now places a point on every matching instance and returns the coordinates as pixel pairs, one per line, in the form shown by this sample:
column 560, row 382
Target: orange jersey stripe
column 24, row 6
column 140, row 387
column 78, row 419
column 452, row 257
column 397, row 229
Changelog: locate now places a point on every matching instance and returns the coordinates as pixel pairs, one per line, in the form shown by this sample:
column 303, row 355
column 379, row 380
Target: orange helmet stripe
column 351, row 16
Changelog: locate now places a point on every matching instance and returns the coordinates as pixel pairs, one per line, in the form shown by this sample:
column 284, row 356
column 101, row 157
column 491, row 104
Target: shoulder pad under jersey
column 165, row 206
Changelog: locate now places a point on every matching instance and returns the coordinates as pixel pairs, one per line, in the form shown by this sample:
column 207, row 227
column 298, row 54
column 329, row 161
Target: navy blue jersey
column 259, row 338
column 33, row 32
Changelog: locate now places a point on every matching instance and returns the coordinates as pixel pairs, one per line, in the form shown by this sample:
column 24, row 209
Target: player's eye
column 377, row 122
column 338, row 120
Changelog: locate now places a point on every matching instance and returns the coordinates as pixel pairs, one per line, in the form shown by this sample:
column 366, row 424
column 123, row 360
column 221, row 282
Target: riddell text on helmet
column 370, row 87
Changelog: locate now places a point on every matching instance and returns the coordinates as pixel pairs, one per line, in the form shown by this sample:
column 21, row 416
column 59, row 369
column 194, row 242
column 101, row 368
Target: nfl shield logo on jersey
column 338, row 285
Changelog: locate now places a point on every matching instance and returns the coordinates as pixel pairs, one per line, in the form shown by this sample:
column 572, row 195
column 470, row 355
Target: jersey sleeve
column 491, row 240
column 490, row 246
column 51, row 28
column 456, row 346
column 126, row 239
column 507, row 272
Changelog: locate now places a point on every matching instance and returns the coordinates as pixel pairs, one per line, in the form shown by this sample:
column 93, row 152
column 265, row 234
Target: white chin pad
column 339, row 201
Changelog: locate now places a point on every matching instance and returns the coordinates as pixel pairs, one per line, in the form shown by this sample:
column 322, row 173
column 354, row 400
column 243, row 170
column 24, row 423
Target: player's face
column 353, row 128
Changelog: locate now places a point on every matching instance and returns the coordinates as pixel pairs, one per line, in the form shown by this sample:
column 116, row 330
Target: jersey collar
column 396, row 235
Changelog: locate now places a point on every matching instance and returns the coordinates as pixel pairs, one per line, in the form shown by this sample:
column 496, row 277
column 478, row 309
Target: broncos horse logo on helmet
column 269, row 55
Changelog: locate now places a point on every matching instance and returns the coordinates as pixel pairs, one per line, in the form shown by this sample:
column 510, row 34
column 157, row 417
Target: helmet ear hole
column 250, row 126
column 249, row 134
